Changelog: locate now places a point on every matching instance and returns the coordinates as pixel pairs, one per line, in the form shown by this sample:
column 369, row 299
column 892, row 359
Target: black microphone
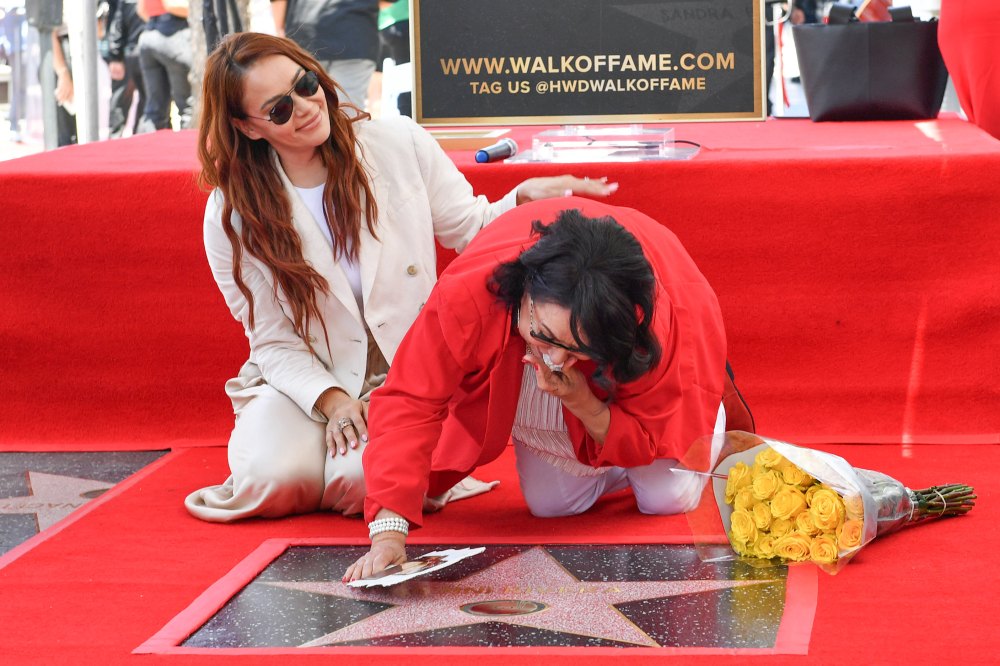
column 500, row 150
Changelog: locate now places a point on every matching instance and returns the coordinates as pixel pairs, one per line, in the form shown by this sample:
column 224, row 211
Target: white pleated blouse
column 539, row 425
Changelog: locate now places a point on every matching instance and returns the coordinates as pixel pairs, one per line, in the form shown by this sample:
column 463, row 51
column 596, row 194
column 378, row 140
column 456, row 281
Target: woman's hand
column 570, row 385
column 64, row 87
column 534, row 189
column 347, row 420
column 117, row 70
column 567, row 384
column 388, row 548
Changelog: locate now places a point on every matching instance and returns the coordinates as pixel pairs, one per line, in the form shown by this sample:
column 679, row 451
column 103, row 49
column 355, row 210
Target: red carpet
column 106, row 583
column 856, row 264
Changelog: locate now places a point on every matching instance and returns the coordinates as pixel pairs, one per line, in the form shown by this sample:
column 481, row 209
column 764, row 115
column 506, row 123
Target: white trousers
column 660, row 488
column 280, row 465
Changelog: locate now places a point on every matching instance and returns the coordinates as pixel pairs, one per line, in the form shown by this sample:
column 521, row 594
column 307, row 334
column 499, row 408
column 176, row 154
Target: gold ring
column 344, row 422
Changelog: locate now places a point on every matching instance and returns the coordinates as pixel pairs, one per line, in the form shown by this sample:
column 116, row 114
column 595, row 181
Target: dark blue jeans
column 165, row 60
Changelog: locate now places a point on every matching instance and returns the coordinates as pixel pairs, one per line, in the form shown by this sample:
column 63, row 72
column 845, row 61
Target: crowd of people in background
column 154, row 50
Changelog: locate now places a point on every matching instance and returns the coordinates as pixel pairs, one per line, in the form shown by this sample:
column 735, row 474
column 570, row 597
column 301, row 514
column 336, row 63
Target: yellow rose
column 794, row 476
column 768, row 458
column 812, row 490
column 764, row 546
column 849, row 534
column 743, row 528
column 788, row 502
column 765, row 485
column 804, row 523
column 744, row 500
column 823, row 550
column 740, row 548
column 793, row 546
column 761, row 515
column 854, row 507
column 780, row 526
column 739, row 477
column 827, row 510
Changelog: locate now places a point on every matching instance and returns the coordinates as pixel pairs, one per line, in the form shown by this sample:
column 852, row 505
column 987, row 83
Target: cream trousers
column 280, row 465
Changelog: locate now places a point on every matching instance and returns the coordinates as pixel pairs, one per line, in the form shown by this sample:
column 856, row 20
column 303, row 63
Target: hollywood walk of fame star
column 53, row 497
column 570, row 606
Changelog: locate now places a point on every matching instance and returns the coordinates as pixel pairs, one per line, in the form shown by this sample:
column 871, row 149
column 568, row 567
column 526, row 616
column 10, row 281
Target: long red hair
column 245, row 172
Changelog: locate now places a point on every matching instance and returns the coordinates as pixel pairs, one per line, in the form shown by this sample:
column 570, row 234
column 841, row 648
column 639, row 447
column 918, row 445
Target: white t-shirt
column 312, row 197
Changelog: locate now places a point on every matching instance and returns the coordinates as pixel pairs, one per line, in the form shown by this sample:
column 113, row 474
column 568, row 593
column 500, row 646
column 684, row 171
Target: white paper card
column 399, row 573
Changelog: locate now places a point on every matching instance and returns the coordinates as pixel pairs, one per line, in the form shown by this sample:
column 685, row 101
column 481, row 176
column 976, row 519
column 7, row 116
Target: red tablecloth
column 856, row 264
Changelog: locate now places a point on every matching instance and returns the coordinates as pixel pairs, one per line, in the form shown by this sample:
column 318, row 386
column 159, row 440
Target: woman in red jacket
column 584, row 332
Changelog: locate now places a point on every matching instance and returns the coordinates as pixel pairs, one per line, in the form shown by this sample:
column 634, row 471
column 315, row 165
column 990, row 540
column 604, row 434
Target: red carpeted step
column 856, row 265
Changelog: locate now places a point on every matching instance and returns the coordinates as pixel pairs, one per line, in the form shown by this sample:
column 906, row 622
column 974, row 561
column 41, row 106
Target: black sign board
column 489, row 62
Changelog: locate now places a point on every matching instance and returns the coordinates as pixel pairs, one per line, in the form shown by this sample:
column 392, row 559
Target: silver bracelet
column 394, row 524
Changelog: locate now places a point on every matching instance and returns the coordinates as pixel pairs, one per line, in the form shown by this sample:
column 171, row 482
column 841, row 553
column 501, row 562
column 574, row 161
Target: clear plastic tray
column 629, row 143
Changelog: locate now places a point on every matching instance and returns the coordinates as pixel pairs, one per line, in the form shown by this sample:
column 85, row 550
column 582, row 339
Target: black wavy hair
column 596, row 269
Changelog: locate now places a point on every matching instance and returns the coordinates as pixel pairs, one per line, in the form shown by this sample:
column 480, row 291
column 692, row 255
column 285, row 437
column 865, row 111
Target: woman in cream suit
column 320, row 233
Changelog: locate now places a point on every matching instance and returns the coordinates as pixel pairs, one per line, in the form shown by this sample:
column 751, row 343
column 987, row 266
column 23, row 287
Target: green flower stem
column 947, row 500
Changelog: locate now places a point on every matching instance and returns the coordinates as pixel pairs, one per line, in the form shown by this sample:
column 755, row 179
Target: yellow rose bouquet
column 782, row 502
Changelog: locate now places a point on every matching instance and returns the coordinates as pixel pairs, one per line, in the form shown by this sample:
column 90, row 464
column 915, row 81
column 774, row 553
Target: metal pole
column 47, row 80
column 81, row 18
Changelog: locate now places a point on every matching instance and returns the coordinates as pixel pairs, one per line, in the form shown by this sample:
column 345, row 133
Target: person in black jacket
column 122, row 55
column 341, row 34
column 219, row 18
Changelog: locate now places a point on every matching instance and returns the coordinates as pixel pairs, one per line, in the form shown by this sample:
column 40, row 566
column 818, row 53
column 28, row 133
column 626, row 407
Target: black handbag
column 871, row 70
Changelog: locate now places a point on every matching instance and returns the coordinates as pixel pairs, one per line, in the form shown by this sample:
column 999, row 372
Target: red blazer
column 448, row 404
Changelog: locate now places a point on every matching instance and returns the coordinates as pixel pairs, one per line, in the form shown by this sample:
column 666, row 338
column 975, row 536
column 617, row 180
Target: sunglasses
column 281, row 112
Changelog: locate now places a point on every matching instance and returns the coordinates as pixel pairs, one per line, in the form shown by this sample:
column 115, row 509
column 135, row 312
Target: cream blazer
column 421, row 197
